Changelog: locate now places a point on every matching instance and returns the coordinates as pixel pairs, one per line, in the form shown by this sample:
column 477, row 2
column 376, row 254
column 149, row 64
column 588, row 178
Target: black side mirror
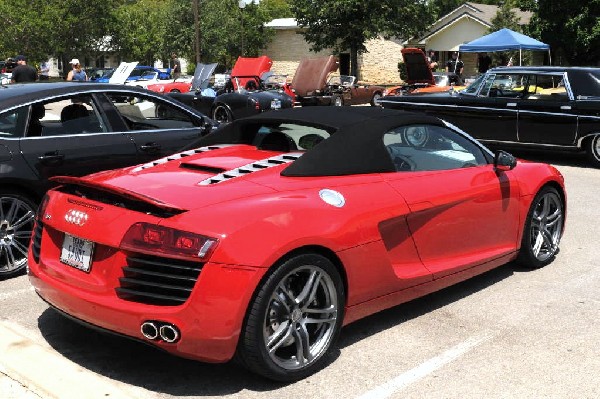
column 504, row 161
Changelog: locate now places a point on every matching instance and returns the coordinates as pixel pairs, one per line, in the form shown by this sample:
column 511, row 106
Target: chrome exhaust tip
column 149, row 330
column 169, row 333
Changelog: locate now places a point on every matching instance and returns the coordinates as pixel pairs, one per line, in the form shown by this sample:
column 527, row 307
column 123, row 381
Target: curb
column 46, row 373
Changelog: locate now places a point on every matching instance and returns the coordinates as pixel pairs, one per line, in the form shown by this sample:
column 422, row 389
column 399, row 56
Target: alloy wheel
column 546, row 226
column 16, row 224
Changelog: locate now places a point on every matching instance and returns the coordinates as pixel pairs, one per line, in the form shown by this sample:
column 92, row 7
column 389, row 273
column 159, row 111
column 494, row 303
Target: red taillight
column 153, row 239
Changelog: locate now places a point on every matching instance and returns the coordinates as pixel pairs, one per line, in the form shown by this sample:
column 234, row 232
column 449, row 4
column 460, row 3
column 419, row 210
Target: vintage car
column 262, row 240
column 278, row 82
column 135, row 74
column 49, row 129
column 243, row 95
column 200, row 81
column 420, row 78
column 314, row 85
column 535, row 107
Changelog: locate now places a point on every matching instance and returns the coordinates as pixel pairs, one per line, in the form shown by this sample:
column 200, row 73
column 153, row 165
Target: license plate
column 77, row 252
column 275, row 104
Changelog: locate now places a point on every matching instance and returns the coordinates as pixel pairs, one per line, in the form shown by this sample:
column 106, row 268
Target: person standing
column 76, row 74
column 45, row 71
column 176, row 66
column 432, row 60
column 454, row 69
column 23, row 73
column 483, row 62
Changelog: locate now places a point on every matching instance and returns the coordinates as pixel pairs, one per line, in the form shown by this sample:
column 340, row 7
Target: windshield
column 474, row 86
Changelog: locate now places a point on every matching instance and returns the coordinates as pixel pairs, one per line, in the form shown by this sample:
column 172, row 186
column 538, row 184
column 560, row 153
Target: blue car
column 135, row 74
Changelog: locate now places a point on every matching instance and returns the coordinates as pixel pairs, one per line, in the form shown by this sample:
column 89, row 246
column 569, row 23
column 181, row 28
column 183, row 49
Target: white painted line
column 7, row 295
column 424, row 369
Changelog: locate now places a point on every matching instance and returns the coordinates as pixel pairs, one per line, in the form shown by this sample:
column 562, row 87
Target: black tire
column 543, row 229
column 175, row 91
column 592, row 150
column 222, row 114
column 287, row 308
column 337, row 100
column 375, row 99
column 17, row 217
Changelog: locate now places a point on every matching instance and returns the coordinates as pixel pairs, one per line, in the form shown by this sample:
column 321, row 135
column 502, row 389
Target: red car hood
column 312, row 74
column 192, row 181
column 251, row 66
column 417, row 68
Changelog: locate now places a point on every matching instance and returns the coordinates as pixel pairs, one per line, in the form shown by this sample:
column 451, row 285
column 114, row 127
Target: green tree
column 571, row 28
column 345, row 25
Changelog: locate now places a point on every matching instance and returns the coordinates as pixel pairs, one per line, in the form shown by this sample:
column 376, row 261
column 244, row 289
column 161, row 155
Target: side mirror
column 504, row 161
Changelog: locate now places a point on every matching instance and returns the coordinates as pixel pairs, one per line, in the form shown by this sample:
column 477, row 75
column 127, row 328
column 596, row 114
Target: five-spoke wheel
column 294, row 319
column 17, row 214
column 543, row 229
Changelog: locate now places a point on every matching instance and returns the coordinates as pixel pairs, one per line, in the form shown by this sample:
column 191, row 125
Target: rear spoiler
column 78, row 181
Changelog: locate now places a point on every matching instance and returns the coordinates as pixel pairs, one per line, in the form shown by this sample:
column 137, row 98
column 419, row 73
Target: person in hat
column 23, row 73
column 76, row 74
column 454, row 69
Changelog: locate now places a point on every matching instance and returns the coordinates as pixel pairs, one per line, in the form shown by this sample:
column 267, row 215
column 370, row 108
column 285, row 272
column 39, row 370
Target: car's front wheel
column 294, row 319
column 592, row 149
column 375, row 99
column 17, row 214
column 222, row 114
column 543, row 229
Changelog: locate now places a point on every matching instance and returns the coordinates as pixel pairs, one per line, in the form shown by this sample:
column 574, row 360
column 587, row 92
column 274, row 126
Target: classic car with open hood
column 262, row 240
column 243, row 95
column 314, row 84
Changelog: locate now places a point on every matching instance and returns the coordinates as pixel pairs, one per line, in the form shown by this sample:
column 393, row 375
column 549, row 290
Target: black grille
column 158, row 281
column 36, row 241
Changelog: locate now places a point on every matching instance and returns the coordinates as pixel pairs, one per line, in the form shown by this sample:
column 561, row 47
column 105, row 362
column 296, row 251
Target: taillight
column 153, row 239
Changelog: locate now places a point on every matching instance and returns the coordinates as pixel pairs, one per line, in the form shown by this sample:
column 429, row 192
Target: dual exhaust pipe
column 158, row 330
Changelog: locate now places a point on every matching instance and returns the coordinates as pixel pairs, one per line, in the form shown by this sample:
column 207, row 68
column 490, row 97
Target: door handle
column 511, row 104
column 150, row 147
column 565, row 107
column 52, row 158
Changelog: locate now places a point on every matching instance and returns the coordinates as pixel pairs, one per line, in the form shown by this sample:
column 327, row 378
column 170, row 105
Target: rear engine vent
column 115, row 199
column 180, row 155
column 158, row 281
column 202, row 168
column 252, row 167
column 36, row 241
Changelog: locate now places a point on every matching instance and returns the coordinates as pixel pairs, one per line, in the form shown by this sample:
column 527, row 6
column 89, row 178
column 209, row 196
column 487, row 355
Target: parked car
column 314, row 85
column 420, row 78
column 198, row 82
column 94, row 74
column 243, row 95
column 65, row 128
column 265, row 238
column 535, row 107
column 8, row 65
column 135, row 74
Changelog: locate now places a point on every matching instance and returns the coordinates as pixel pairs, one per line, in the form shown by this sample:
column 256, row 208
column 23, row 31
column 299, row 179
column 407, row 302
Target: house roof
column 481, row 13
column 283, row 23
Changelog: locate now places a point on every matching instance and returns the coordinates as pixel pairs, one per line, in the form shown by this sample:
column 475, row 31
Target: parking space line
column 424, row 369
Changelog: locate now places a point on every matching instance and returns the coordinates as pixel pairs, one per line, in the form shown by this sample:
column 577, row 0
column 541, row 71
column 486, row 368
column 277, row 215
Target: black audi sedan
column 539, row 107
column 49, row 129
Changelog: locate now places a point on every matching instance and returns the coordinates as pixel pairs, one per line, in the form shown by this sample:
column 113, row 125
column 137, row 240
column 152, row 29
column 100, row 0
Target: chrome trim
column 169, row 333
column 530, row 144
column 149, row 330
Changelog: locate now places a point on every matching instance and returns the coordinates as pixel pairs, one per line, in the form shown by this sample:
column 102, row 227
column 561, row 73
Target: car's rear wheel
column 294, row 319
column 17, row 214
column 337, row 100
column 375, row 99
column 222, row 114
column 543, row 229
column 592, row 149
column 175, row 91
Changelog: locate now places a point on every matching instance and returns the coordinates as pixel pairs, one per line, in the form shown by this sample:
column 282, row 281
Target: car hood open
column 245, row 66
column 312, row 74
column 202, row 75
column 417, row 68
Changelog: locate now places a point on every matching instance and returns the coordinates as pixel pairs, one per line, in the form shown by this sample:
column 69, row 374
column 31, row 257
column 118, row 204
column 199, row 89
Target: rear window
column 298, row 137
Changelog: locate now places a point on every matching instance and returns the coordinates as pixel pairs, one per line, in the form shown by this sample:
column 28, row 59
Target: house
column 380, row 63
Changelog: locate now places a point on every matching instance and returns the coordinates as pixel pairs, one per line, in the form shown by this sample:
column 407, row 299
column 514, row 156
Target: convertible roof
column 355, row 146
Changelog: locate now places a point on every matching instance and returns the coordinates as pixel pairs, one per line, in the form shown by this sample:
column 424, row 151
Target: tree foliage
column 346, row 25
column 571, row 28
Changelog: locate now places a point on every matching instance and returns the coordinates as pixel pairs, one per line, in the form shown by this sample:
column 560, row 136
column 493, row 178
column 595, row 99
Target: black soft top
column 355, row 146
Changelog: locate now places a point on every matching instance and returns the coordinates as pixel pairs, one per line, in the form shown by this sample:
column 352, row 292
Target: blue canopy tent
column 504, row 40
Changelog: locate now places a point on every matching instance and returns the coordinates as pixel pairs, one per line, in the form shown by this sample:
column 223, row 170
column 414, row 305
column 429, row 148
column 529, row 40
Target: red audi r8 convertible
column 268, row 236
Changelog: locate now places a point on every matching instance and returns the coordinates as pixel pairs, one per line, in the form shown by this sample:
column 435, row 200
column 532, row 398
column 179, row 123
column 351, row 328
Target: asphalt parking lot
column 510, row 333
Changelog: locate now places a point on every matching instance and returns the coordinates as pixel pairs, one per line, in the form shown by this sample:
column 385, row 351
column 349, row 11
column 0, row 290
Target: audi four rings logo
column 76, row 217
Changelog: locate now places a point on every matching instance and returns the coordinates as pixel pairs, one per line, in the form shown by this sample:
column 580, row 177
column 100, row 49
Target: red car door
column 460, row 218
